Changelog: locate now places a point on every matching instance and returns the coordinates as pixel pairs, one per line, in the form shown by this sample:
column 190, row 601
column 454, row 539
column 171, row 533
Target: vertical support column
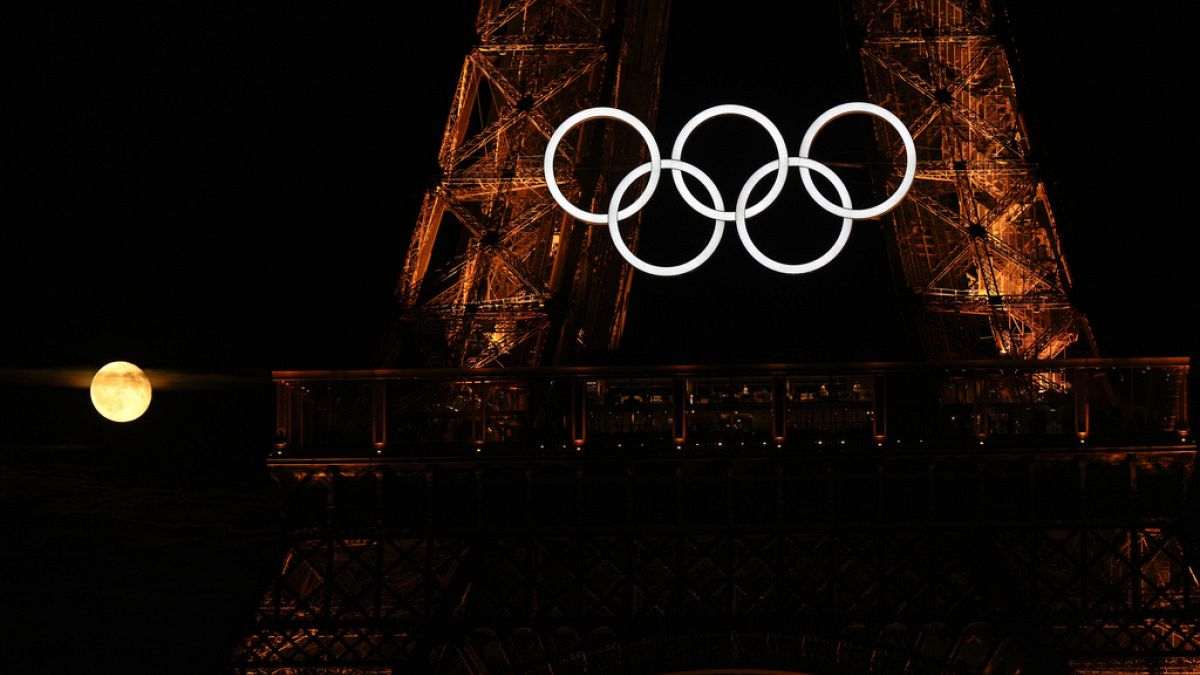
column 879, row 409
column 302, row 413
column 329, row 534
column 578, row 411
column 479, row 422
column 283, row 415
column 979, row 407
column 679, row 403
column 1181, row 404
column 779, row 392
column 1081, row 380
column 378, row 415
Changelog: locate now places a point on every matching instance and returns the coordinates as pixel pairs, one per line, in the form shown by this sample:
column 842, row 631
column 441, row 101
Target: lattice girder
column 537, row 62
column 1049, row 547
column 976, row 236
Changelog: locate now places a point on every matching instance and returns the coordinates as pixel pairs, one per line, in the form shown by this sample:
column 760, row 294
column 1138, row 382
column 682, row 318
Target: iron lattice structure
column 810, row 519
column 523, row 283
column 813, row 564
column 494, row 521
column 975, row 238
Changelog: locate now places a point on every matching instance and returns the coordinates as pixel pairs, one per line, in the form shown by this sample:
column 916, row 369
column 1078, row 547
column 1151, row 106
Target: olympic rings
column 741, row 211
column 613, row 220
column 803, row 164
column 602, row 113
column 910, row 155
column 715, row 111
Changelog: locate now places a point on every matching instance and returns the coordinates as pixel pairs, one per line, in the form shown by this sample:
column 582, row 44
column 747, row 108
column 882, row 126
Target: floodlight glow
column 799, row 268
column 742, row 211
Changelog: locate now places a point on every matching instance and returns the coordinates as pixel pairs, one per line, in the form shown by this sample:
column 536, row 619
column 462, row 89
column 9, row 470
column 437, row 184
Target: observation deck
column 872, row 517
column 1081, row 405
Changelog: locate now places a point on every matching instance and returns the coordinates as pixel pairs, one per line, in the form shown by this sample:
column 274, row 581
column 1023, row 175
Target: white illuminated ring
column 910, row 153
column 741, row 212
column 614, row 218
column 601, row 113
column 717, row 111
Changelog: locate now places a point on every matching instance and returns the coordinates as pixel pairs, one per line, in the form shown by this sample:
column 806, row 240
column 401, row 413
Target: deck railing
column 736, row 409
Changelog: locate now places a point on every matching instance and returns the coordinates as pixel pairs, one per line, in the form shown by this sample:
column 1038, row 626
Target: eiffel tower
column 1010, row 505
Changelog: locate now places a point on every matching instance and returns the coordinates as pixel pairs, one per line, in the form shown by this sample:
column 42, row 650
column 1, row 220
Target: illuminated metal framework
column 993, row 517
column 516, row 281
column 976, row 237
column 819, row 518
column 540, row 565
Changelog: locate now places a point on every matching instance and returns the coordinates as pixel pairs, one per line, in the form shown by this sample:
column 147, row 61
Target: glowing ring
column 717, row 111
column 676, row 165
column 741, row 212
column 614, row 219
column 910, row 152
column 601, row 113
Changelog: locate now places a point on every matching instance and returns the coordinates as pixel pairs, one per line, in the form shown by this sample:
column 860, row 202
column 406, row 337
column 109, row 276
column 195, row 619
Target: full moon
column 121, row 391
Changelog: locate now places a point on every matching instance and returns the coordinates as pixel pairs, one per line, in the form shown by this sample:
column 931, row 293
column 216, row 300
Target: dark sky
column 170, row 163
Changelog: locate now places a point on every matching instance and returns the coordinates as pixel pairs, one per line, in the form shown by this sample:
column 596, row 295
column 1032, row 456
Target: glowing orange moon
column 121, row 391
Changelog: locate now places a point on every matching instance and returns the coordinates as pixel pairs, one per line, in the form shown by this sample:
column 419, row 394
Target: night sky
column 169, row 160
column 231, row 191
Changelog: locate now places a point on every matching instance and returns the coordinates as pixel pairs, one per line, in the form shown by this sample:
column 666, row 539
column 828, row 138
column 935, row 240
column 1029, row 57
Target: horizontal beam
column 479, row 374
